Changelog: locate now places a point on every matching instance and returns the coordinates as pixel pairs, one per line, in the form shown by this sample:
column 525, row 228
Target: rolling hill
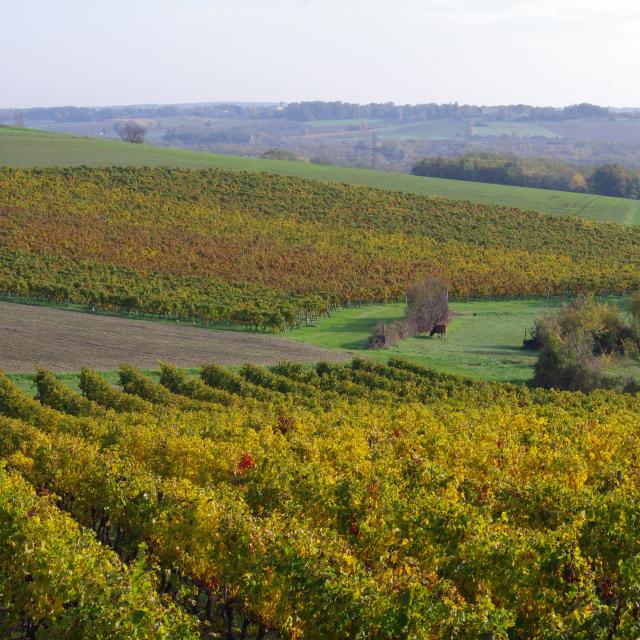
column 32, row 148
column 266, row 251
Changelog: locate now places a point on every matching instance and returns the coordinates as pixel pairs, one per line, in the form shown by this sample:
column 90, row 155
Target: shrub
column 573, row 339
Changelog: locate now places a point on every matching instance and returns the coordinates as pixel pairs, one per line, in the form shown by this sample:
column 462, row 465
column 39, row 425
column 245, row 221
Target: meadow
column 484, row 340
column 31, row 148
column 517, row 129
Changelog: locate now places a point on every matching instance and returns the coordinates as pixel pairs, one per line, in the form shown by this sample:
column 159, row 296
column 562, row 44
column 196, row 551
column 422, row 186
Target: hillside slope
column 374, row 501
column 261, row 250
column 31, row 148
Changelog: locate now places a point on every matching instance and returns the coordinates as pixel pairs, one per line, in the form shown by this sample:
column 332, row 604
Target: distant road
column 33, row 148
column 32, row 336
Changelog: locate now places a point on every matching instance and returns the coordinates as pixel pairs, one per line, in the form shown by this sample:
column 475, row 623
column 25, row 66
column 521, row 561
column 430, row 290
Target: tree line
column 309, row 111
column 321, row 110
column 542, row 173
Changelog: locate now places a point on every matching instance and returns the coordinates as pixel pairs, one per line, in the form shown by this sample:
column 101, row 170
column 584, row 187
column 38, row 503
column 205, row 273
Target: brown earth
column 58, row 340
column 597, row 130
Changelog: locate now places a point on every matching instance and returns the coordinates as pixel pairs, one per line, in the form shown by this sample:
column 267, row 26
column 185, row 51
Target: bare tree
column 428, row 304
column 427, row 307
column 133, row 132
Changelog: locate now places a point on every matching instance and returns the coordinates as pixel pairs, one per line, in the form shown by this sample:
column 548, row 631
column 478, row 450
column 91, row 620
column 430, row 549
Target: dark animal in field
column 439, row 329
column 531, row 344
column 377, row 341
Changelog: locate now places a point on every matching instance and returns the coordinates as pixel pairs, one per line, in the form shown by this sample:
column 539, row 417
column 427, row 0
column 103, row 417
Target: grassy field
column 484, row 341
column 30, row 148
column 431, row 130
column 517, row 129
column 321, row 124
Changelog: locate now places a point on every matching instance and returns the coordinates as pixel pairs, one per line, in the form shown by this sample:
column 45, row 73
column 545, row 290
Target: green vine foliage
column 354, row 500
column 269, row 252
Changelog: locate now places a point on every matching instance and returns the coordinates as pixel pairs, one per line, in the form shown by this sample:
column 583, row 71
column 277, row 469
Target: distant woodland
column 313, row 110
column 541, row 173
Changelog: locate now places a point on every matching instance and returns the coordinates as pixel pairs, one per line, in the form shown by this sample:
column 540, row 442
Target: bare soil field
column 597, row 130
column 32, row 336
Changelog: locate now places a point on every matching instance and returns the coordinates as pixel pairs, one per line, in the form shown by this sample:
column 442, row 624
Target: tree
column 133, row 132
column 571, row 341
column 578, row 183
column 584, row 110
column 428, row 304
column 610, row 180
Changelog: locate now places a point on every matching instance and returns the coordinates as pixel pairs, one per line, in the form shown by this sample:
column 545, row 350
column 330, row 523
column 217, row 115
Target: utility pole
column 374, row 149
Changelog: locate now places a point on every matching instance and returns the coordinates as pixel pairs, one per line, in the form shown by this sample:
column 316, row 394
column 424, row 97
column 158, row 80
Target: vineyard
column 269, row 252
column 354, row 500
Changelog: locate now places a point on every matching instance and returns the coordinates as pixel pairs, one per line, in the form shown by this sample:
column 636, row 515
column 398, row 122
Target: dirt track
column 33, row 336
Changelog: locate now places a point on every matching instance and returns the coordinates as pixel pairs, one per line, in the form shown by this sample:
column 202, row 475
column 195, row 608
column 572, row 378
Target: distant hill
column 33, row 148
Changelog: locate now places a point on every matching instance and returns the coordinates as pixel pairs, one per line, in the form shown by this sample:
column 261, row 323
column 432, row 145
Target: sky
column 542, row 52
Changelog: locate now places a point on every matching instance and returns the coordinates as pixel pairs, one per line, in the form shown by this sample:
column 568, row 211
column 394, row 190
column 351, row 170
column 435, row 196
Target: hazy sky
column 541, row 52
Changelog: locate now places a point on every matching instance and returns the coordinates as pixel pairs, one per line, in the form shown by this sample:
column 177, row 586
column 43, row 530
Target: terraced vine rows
column 344, row 501
column 267, row 252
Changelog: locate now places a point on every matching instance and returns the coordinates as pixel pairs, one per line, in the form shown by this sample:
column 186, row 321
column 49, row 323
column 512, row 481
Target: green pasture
column 320, row 124
column 517, row 129
column 31, row 148
column 484, row 339
column 430, row 130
